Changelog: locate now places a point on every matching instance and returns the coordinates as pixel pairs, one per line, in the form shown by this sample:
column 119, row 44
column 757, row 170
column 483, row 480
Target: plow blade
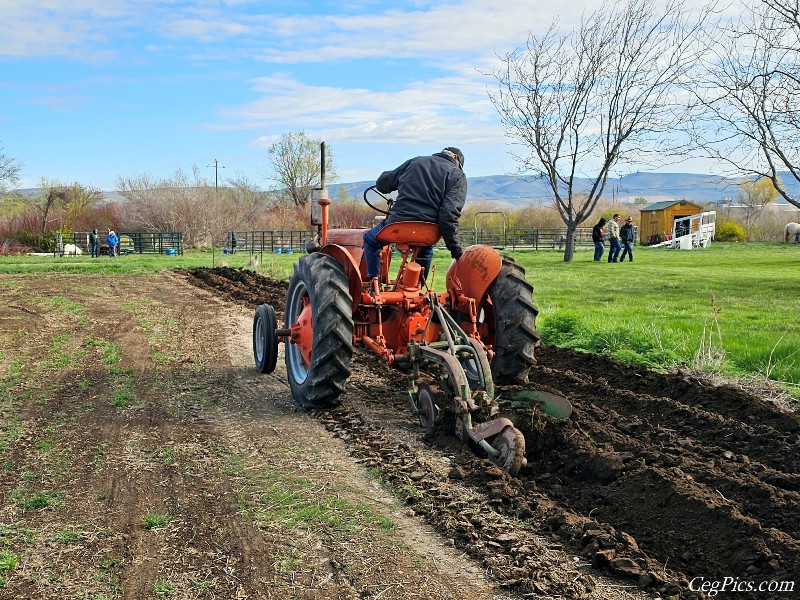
column 552, row 405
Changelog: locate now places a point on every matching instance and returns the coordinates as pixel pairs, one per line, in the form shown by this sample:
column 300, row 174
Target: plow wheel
column 426, row 407
column 510, row 316
column 319, row 305
column 265, row 342
column 511, row 444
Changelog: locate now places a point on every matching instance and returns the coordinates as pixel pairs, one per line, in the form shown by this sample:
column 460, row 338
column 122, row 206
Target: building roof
column 667, row 204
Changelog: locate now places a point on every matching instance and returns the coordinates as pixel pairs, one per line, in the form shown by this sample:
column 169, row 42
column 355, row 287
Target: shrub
column 730, row 231
column 41, row 241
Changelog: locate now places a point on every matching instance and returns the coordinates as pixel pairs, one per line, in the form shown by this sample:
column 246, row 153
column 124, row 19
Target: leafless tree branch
column 601, row 97
column 747, row 108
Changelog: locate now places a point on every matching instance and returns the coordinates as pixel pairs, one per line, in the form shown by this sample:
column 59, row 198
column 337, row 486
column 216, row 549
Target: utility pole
column 216, row 196
column 216, row 173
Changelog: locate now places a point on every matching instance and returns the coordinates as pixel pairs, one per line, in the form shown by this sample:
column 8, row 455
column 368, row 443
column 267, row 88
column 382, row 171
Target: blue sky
column 95, row 89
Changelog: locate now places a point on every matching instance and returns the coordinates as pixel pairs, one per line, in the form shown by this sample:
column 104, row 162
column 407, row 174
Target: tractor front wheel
column 265, row 342
column 319, row 313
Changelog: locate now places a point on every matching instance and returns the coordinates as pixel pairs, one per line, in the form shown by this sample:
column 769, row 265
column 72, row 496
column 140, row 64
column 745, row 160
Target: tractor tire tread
column 332, row 348
column 516, row 334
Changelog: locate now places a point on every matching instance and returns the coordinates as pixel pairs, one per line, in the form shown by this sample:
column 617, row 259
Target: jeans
column 613, row 249
column 95, row 250
column 598, row 250
column 372, row 252
column 626, row 250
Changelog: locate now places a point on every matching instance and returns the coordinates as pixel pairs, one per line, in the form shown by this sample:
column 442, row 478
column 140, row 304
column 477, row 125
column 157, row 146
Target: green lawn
column 281, row 265
column 731, row 307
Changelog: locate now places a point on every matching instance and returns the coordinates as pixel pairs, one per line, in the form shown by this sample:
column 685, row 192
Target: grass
column 277, row 498
column 99, row 458
column 729, row 309
column 110, row 352
column 142, row 263
column 667, row 306
column 8, row 560
column 28, row 499
column 204, row 585
column 154, row 520
column 64, row 353
column 123, row 381
column 67, row 536
column 123, row 399
column 163, row 587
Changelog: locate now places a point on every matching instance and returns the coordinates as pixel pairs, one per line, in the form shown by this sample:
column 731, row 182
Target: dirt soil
column 142, row 456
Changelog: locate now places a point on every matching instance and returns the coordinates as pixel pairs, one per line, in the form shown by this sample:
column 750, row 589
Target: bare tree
column 60, row 205
column 202, row 211
column 247, row 203
column 178, row 204
column 296, row 162
column 748, row 96
column 755, row 196
column 601, row 97
column 9, row 171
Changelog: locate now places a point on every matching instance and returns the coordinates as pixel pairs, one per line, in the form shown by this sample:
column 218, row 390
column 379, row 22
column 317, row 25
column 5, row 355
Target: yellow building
column 655, row 222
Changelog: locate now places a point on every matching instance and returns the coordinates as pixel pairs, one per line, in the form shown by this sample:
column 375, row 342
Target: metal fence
column 543, row 238
column 274, row 242
column 130, row 242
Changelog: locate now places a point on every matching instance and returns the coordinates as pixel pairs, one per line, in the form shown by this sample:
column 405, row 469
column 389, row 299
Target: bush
column 730, row 231
column 41, row 241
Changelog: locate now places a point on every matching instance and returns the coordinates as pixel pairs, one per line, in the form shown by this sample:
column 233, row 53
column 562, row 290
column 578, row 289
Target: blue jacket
column 112, row 240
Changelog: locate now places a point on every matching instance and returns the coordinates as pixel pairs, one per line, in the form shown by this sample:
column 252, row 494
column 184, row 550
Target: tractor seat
column 410, row 233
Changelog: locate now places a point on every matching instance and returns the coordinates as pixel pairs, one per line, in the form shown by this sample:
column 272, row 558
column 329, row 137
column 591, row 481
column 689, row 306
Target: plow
column 450, row 349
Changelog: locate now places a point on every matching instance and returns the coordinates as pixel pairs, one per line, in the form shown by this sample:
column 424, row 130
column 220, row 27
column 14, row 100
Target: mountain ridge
column 520, row 190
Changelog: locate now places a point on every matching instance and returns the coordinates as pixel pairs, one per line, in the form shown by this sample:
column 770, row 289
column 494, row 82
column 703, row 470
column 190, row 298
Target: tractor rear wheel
column 319, row 305
column 510, row 316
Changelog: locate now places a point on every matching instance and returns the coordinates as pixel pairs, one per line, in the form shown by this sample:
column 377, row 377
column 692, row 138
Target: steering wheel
column 389, row 201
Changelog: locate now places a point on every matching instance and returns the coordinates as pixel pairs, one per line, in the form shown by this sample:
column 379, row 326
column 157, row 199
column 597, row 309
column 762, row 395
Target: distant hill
column 515, row 190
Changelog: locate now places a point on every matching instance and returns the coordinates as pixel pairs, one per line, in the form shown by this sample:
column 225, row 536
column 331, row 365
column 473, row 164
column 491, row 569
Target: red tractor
column 479, row 332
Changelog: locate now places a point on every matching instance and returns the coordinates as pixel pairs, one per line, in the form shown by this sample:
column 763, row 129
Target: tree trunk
column 569, row 246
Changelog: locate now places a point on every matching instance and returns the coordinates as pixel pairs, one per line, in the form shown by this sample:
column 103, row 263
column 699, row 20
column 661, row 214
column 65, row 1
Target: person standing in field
column 94, row 243
column 627, row 236
column 112, row 240
column 614, row 245
column 598, row 235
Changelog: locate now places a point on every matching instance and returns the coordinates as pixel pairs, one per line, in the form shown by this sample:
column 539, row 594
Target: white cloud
column 441, row 32
column 421, row 112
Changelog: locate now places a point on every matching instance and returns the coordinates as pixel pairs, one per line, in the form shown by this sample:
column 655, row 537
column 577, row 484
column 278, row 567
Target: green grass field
column 730, row 308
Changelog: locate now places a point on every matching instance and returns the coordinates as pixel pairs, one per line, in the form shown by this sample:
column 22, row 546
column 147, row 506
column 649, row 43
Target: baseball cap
column 459, row 155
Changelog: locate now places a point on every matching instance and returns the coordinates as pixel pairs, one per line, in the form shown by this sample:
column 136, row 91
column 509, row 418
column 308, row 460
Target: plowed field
column 656, row 478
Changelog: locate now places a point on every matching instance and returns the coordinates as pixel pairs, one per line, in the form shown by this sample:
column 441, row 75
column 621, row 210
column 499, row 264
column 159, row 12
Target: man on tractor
column 429, row 188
